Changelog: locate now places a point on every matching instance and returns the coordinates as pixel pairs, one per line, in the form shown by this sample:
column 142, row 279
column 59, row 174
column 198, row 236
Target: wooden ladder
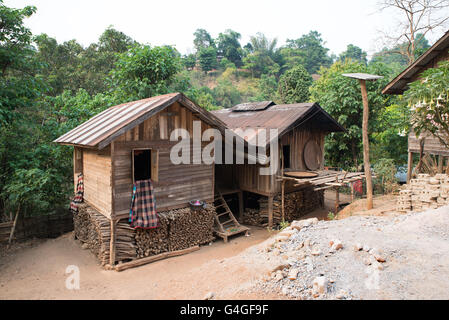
column 226, row 224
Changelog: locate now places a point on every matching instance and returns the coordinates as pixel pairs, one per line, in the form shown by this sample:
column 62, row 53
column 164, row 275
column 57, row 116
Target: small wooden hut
column 301, row 131
column 425, row 142
column 131, row 142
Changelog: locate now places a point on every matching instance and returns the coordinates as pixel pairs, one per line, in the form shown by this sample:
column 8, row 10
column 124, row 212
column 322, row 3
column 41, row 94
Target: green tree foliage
column 189, row 61
column 202, row 40
column 428, row 98
column 308, row 51
column 207, row 58
column 341, row 97
column 355, row 53
column 228, row 45
column 263, row 58
column 294, row 85
column 144, row 71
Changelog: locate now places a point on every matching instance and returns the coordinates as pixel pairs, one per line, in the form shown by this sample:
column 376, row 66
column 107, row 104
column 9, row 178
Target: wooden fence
column 48, row 226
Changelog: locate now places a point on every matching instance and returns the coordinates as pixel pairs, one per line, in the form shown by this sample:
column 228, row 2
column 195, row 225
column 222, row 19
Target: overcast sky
column 341, row 22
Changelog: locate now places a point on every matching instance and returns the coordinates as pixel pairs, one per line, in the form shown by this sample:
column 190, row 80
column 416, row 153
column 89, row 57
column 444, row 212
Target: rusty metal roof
column 362, row 76
column 282, row 117
column 252, row 106
column 399, row 84
column 102, row 129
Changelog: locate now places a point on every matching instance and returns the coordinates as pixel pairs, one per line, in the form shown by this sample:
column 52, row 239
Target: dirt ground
column 37, row 269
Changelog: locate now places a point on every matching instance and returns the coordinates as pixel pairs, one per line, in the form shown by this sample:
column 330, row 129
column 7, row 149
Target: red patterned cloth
column 79, row 194
column 143, row 206
column 358, row 186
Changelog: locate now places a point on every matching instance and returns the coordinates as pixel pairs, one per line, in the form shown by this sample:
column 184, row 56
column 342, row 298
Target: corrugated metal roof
column 252, row 106
column 281, row 117
column 109, row 124
column 399, row 84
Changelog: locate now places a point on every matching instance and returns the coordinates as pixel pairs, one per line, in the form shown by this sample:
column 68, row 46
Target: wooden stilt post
column 112, row 243
column 409, row 166
column 337, row 199
column 283, row 201
column 270, row 212
column 440, row 163
column 352, row 192
column 241, row 207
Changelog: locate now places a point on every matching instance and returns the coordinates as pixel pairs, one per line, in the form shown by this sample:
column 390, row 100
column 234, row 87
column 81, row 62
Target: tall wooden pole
column 366, row 162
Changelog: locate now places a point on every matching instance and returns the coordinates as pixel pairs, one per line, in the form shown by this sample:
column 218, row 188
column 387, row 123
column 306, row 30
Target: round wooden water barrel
column 312, row 155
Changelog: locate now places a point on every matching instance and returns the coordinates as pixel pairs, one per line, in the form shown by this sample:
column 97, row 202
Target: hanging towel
column 78, row 195
column 143, row 206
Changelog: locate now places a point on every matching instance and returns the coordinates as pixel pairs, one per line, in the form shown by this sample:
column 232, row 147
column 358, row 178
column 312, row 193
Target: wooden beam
column 337, row 199
column 270, row 212
column 409, row 166
column 440, row 163
column 112, row 242
column 165, row 255
column 366, row 161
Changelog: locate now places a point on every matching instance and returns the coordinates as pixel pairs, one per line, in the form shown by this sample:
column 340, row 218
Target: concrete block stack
column 424, row 193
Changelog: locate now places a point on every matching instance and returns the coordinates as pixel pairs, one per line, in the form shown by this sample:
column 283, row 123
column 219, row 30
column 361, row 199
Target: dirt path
column 417, row 267
column 38, row 272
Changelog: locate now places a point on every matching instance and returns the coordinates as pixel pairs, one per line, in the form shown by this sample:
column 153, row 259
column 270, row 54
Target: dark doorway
column 286, row 156
column 141, row 164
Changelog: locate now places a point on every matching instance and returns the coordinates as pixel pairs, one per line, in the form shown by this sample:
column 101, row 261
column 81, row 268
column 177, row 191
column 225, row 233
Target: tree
column 202, row 40
column 340, row 97
column 418, row 18
column 114, row 41
column 144, row 71
column 263, row 57
column 189, row 61
column 18, row 85
column 294, row 85
column 308, row 51
column 355, row 53
column 428, row 100
column 207, row 58
column 228, row 45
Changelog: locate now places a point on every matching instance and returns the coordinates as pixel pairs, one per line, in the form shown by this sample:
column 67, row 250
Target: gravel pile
column 360, row 258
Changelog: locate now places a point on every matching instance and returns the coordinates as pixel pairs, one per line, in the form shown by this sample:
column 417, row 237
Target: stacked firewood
column 178, row 229
column 296, row 205
column 94, row 230
column 153, row 241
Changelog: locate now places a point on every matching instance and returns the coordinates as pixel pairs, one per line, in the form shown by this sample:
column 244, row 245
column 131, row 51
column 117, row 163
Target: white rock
column 358, row 247
column 316, row 252
column 341, row 294
column 209, row 296
column 366, row 248
column 293, row 274
column 309, row 264
column 320, row 285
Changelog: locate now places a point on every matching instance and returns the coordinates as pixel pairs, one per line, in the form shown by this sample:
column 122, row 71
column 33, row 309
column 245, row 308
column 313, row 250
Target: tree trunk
column 366, row 162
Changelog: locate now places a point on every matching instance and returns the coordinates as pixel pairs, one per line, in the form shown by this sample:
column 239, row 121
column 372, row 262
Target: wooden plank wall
column 431, row 145
column 177, row 184
column 249, row 178
column 97, row 179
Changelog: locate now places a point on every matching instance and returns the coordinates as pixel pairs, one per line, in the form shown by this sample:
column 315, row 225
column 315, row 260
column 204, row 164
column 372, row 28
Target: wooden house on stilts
column 133, row 142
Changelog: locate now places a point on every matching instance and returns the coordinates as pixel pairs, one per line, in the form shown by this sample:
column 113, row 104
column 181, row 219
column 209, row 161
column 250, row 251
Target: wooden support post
column 112, row 243
column 241, row 207
column 366, row 161
column 283, row 201
column 337, row 199
column 409, row 166
column 11, row 234
column 270, row 212
column 440, row 163
column 352, row 192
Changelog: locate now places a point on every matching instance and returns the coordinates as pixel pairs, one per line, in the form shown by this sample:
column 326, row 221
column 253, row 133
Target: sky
column 340, row 22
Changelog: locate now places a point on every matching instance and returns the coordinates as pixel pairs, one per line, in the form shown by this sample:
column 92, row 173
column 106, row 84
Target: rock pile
column 424, row 193
column 302, row 268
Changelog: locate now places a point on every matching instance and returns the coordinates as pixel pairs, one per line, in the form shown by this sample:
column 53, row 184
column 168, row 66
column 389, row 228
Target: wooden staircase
column 226, row 224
